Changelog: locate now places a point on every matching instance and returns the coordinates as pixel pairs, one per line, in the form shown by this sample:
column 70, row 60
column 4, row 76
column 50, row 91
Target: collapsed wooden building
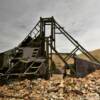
column 33, row 55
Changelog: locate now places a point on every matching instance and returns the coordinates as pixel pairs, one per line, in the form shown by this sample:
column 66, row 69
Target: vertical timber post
column 47, row 56
column 54, row 40
column 42, row 36
column 51, row 42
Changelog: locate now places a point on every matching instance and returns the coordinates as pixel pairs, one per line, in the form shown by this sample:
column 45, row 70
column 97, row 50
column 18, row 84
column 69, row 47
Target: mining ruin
column 33, row 56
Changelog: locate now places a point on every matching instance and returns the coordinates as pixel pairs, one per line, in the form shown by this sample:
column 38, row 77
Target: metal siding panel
column 84, row 67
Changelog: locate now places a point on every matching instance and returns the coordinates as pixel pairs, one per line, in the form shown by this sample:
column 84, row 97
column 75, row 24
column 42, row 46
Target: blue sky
column 81, row 18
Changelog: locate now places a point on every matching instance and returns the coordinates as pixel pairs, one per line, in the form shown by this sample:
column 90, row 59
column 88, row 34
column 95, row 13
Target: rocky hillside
column 95, row 53
column 59, row 63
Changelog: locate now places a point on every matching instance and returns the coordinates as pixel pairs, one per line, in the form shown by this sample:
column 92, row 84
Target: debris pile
column 56, row 88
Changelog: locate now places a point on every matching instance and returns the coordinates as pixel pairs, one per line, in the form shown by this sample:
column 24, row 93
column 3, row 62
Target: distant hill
column 95, row 53
column 58, row 62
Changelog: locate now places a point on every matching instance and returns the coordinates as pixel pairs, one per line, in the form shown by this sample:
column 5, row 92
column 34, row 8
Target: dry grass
column 95, row 53
column 58, row 62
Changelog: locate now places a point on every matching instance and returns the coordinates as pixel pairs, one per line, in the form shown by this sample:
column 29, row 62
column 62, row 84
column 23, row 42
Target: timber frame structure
column 32, row 55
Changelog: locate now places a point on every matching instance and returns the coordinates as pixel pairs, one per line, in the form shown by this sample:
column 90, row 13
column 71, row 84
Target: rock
column 61, row 84
column 53, row 89
column 54, row 97
column 87, row 88
column 92, row 96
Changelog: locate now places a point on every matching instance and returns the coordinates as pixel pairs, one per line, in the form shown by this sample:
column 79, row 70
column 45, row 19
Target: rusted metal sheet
column 84, row 67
